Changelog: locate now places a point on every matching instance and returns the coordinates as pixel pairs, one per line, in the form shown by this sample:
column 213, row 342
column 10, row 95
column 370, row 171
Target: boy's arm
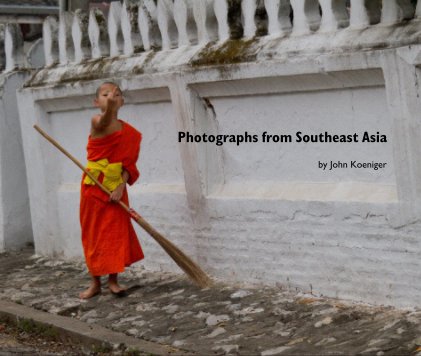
column 117, row 193
column 102, row 121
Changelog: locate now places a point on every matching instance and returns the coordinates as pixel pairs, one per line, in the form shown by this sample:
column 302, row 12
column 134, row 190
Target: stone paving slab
column 168, row 310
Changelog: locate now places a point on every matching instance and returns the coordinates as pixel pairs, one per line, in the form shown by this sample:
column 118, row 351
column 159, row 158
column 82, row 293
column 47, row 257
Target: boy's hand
column 112, row 99
column 117, row 193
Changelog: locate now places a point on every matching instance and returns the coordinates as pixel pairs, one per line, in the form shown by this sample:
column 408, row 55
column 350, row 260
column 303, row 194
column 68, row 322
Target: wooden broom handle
column 142, row 222
column 183, row 261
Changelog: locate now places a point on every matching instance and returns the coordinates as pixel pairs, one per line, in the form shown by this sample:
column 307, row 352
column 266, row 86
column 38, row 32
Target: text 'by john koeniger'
column 331, row 165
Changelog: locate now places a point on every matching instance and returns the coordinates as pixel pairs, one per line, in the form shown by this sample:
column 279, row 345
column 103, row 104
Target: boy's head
column 101, row 97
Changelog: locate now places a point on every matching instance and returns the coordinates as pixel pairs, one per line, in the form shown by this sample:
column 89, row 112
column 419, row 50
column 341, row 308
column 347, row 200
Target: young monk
column 108, row 238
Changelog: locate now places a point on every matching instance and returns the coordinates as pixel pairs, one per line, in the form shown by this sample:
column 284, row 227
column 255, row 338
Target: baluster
column 206, row 22
column 66, row 53
column 235, row 21
column 181, row 14
column 418, row 11
column 374, row 8
column 98, row 34
column 114, row 28
column 148, row 25
column 278, row 16
column 272, row 9
column 13, row 46
column 408, row 9
column 80, row 36
column 359, row 15
column 166, row 23
column 221, row 13
column 126, row 29
column 364, row 13
column 306, row 16
column 50, row 40
column 394, row 11
column 129, row 26
column 186, row 21
column 334, row 15
column 201, row 13
column 248, row 9
column 2, row 54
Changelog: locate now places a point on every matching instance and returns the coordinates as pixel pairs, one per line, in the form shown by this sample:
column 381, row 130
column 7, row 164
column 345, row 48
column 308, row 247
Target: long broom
column 185, row 263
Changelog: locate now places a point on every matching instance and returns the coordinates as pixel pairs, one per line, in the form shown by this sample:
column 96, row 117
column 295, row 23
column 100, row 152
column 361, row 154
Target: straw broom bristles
column 184, row 262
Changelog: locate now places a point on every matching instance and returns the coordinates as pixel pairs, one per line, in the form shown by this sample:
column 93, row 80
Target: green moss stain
column 102, row 349
column 31, row 327
column 232, row 51
column 140, row 69
column 92, row 70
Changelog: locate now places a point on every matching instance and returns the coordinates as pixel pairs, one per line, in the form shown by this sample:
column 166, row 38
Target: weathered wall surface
column 257, row 212
column 15, row 218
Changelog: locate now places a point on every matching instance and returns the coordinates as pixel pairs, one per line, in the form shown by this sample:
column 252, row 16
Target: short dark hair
column 108, row 82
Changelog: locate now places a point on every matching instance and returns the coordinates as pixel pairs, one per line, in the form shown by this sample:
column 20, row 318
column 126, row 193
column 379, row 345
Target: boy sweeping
column 109, row 240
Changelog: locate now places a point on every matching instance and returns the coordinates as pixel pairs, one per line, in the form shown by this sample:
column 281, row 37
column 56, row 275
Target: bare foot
column 116, row 289
column 92, row 291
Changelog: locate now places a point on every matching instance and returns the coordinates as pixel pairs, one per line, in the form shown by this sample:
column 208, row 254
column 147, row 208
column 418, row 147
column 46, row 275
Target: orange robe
column 109, row 241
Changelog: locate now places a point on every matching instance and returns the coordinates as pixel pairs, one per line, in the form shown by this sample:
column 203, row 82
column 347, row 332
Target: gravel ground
column 18, row 341
column 224, row 319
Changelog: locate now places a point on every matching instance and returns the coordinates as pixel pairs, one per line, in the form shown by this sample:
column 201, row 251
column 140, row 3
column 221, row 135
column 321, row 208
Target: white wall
column 258, row 212
column 15, row 218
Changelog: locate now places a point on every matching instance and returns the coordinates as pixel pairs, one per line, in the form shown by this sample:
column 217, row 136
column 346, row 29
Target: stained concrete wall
column 15, row 58
column 15, row 218
column 258, row 212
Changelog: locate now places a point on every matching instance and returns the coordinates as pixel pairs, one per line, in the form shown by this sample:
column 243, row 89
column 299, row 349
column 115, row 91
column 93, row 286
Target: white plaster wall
column 2, row 128
column 258, row 212
column 160, row 160
column 15, row 219
column 354, row 110
column 158, row 195
column 290, row 170
column 345, row 250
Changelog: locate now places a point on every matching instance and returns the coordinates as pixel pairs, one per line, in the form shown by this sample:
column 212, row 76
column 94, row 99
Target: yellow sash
column 112, row 173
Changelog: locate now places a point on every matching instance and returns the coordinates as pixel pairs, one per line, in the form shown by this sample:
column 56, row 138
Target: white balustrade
column 50, row 38
column 394, row 11
column 166, row 23
column 114, row 28
column 148, row 24
column 418, row 10
column 184, row 20
column 335, row 15
column 98, row 37
column 359, row 15
column 13, row 46
column 80, row 36
column 278, row 12
column 66, row 52
column 126, row 28
column 206, row 21
column 221, row 13
column 129, row 27
column 2, row 55
column 306, row 16
column 248, row 9
column 365, row 13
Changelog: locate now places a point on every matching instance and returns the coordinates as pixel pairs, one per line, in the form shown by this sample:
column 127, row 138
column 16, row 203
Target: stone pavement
column 167, row 309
